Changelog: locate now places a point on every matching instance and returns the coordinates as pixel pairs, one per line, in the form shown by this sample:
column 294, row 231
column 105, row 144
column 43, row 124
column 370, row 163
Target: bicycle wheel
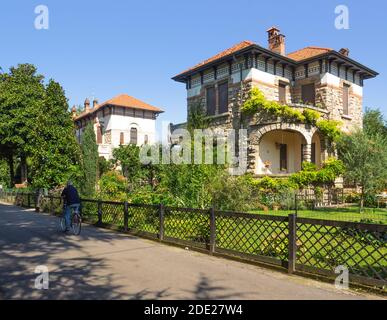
column 76, row 224
column 62, row 224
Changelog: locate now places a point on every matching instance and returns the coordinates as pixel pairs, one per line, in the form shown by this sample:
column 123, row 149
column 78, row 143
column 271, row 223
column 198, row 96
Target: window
column 146, row 139
column 223, row 97
column 211, row 101
column 308, row 94
column 133, row 135
column 282, row 93
column 283, row 157
column 313, row 156
column 99, row 135
column 346, row 100
column 122, row 138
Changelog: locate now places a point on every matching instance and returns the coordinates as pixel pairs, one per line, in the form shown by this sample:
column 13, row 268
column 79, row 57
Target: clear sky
column 104, row 48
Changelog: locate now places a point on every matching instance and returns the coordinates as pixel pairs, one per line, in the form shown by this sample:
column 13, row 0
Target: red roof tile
column 235, row 48
column 307, row 53
column 122, row 100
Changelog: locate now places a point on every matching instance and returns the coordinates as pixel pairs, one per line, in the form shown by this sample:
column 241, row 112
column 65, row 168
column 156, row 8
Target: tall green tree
column 365, row 159
column 21, row 99
column 89, row 152
column 56, row 153
column 374, row 123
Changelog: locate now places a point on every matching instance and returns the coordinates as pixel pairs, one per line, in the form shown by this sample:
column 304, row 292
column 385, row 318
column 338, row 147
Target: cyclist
column 71, row 200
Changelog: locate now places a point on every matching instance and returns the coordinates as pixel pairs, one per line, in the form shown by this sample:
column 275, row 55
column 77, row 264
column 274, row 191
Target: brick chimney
column 276, row 40
column 344, row 52
column 95, row 103
column 87, row 105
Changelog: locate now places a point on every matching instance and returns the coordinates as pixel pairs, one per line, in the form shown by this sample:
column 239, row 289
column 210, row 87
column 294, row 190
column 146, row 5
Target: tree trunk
column 11, row 171
column 23, row 169
column 361, row 200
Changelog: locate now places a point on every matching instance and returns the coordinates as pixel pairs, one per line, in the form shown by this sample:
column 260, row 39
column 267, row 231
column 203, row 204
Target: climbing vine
column 258, row 103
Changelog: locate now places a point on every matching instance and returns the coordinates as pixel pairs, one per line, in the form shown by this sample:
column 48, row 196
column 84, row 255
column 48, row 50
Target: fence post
column 161, row 218
column 296, row 203
column 292, row 247
column 126, row 216
column 99, row 213
column 212, row 231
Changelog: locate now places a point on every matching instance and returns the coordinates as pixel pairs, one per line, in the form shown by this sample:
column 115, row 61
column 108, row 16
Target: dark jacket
column 70, row 195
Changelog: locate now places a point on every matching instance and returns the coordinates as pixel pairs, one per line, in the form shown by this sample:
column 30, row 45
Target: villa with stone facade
column 119, row 121
column 315, row 78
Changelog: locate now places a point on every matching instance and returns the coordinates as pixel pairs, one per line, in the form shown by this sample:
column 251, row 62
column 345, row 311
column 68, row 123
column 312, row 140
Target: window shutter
column 283, row 157
column 308, row 94
column 282, row 93
column 346, row 100
column 99, row 135
column 211, row 101
column 133, row 136
column 223, row 97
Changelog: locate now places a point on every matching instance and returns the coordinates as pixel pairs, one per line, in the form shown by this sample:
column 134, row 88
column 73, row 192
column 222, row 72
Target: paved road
column 102, row 264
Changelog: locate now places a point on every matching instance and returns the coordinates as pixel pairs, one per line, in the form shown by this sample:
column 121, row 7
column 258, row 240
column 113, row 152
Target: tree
column 374, row 123
column 128, row 158
column 21, row 99
column 365, row 159
column 55, row 154
column 89, row 151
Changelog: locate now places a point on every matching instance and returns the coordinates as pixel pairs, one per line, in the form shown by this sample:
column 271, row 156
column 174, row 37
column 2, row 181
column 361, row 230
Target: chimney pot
column 276, row 41
column 87, row 104
column 344, row 52
column 95, row 103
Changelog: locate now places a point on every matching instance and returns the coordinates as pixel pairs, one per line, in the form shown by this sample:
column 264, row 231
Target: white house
column 118, row 121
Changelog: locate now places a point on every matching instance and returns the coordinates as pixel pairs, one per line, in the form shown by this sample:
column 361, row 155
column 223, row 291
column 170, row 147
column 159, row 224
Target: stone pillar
column 307, row 152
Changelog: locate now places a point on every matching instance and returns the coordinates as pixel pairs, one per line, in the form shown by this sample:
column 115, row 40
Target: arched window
column 146, row 139
column 133, row 135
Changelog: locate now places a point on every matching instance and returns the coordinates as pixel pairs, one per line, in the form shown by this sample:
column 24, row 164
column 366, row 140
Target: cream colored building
column 118, row 121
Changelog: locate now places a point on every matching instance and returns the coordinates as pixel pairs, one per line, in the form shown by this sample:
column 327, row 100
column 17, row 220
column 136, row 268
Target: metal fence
column 290, row 242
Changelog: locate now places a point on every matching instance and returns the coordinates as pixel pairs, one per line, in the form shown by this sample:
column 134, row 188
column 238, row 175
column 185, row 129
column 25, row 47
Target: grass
column 374, row 215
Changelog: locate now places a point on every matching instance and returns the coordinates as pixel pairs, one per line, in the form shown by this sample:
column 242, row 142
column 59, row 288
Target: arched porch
column 281, row 148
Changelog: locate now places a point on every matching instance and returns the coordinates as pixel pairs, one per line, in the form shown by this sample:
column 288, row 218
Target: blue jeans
column 67, row 214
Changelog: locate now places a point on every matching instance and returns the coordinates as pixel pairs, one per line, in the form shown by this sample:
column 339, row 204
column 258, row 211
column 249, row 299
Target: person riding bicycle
column 71, row 200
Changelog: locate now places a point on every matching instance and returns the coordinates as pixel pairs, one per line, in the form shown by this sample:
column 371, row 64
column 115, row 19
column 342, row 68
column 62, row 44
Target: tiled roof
column 235, row 48
column 307, row 53
column 122, row 100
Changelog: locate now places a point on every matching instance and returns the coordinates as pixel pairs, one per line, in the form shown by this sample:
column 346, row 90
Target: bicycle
column 75, row 221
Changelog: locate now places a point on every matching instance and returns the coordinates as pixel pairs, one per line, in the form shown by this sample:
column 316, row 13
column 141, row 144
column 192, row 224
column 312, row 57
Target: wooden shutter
column 122, row 138
column 313, row 158
column 282, row 93
column 99, row 135
column 308, row 94
column 133, row 135
column 283, row 157
column 223, row 97
column 346, row 100
column 211, row 101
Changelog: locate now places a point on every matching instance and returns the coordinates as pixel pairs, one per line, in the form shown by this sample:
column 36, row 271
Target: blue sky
column 105, row 48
